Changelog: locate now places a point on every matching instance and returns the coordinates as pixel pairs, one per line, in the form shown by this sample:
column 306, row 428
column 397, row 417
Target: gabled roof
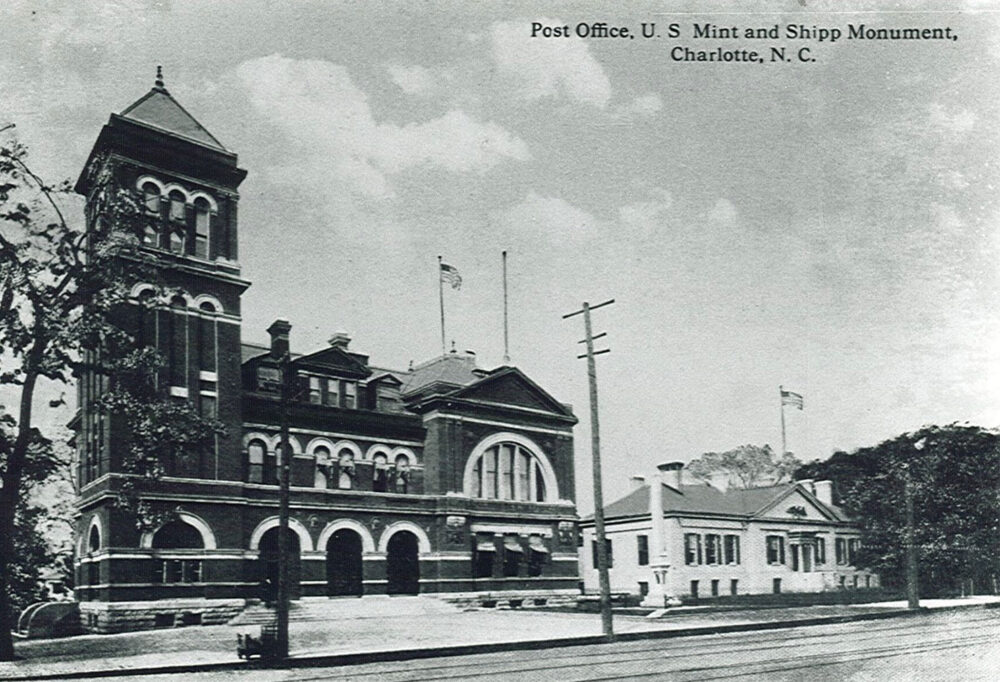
column 158, row 109
column 705, row 499
column 510, row 386
column 335, row 360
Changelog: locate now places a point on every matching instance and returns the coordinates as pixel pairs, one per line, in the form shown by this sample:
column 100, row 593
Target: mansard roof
column 695, row 500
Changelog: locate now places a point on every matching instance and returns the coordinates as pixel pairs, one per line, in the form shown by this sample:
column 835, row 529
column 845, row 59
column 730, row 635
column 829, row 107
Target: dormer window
column 350, row 395
column 177, row 206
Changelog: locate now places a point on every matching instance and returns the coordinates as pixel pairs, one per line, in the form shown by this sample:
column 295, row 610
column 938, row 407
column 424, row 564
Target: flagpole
column 441, row 299
column 781, row 400
column 506, row 346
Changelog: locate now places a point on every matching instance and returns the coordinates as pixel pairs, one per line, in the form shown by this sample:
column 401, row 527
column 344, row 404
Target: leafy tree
column 62, row 296
column 954, row 474
column 842, row 468
column 747, row 466
column 31, row 552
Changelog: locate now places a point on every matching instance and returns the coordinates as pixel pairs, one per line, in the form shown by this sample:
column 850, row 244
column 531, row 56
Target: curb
column 360, row 657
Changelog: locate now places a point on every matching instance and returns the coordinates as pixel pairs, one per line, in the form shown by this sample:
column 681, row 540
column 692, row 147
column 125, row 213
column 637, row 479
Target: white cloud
column 643, row 106
column 549, row 67
column 317, row 105
column 957, row 122
column 723, row 213
column 413, row 80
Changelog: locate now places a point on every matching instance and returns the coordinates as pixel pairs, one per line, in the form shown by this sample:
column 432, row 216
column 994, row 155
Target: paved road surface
column 962, row 645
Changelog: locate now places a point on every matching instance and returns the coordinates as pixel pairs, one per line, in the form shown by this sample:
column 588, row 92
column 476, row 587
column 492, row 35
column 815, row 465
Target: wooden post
column 595, row 447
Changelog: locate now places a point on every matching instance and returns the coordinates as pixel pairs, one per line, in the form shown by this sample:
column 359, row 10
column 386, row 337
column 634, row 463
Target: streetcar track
column 809, row 662
column 672, row 649
column 818, row 659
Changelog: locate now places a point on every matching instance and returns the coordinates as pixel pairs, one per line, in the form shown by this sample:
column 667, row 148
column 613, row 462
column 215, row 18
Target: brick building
column 443, row 478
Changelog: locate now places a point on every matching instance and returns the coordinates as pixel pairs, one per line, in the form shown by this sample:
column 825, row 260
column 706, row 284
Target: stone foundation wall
column 110, row 617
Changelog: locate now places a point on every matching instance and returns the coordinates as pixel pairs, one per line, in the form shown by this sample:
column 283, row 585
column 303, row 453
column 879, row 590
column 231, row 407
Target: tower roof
column 158, row 109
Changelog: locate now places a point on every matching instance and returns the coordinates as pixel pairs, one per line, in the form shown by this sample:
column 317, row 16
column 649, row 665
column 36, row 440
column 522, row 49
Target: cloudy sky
column 830, row 226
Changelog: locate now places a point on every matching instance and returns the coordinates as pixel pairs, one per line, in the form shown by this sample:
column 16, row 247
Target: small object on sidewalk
column 264, row 646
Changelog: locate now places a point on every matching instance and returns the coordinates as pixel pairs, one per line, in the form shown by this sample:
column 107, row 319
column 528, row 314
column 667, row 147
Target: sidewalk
column 384, row 636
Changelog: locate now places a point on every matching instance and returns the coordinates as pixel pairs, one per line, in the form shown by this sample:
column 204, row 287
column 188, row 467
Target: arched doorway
column 403, row 564
column 269, row 565
column 343, row 564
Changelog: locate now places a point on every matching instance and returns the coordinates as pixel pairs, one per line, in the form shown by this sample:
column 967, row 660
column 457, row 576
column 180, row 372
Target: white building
column 706, row 542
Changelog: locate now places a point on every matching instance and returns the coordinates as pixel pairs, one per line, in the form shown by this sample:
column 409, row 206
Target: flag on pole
column 793, row 399
column 450, row 275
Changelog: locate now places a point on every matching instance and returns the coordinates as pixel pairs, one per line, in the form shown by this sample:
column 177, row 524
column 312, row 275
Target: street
column 961, row 645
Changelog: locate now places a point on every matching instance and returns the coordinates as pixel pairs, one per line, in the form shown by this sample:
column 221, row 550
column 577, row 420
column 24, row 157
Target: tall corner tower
column 187, row 183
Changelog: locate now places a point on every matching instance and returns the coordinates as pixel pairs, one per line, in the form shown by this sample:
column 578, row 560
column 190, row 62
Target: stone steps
column 339, row 608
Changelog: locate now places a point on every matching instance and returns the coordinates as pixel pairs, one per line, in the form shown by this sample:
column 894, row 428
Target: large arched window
column 507, row 470
column 177, row 534
column 151, row 201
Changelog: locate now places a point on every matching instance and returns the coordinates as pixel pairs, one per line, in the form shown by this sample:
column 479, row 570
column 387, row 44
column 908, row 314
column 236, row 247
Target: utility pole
column 284, row 468
column 595, row 447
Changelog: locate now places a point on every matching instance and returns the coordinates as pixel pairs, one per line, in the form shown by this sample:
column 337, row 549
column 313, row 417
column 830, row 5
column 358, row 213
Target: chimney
column 279, row 338
column 824, row 491
column 809, row 484
column 636, row 481
column 340, row 340
column 670, row 473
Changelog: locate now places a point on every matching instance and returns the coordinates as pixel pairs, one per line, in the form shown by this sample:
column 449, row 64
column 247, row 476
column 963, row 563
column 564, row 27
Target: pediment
column 334, row 361
column 796, row 505
column 509, row 386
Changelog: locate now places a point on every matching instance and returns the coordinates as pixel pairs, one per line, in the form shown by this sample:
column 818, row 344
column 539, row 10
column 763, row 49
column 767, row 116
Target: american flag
column 450, row 275
column 793, row 399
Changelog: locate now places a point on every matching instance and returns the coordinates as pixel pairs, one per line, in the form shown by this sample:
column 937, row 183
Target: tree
column 747, row 466
column 62, row 296
column 954, row 474
column 31, row 552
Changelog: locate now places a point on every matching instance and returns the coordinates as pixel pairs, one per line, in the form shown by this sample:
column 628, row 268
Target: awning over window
column 485, row 546
column 536, row 544
column 512, row 545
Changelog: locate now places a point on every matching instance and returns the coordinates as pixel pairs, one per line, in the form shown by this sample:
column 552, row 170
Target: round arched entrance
column 343, row 564
column 403, row 563
column 269, row 565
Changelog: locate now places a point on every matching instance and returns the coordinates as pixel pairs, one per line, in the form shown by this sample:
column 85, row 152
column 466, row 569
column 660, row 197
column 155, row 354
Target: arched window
column 346, row 461
column 151, row 198
column 202, row 218
column 402, row 473
column 177, row 340
column 206, row 338
column 322, row 467
column 151, row 202
column 380, row 475
column 94, row 542
column 508, row 471
column 256, row 451
column 177, row 534
column 177, row 203
column 178, row 241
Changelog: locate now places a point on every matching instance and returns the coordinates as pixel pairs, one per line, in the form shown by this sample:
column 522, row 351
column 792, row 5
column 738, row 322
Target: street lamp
column 912, row 575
